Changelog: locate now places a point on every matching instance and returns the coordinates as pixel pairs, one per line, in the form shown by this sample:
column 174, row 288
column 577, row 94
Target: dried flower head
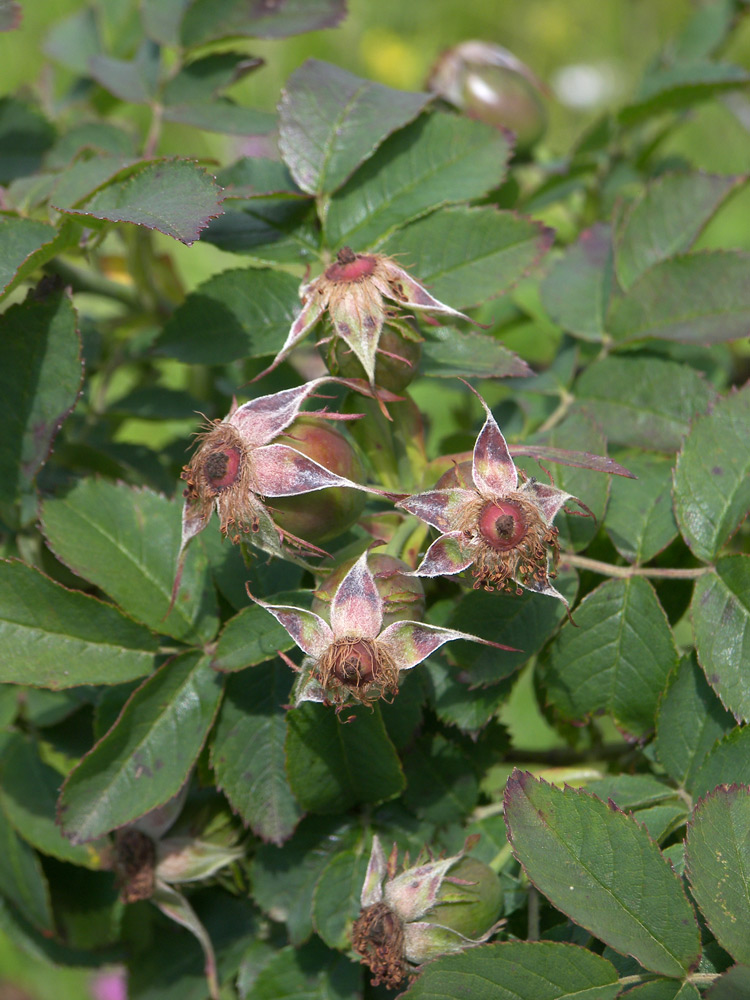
column 352, row 289
column 500, row 528
column 434, row 908
column 352, row 660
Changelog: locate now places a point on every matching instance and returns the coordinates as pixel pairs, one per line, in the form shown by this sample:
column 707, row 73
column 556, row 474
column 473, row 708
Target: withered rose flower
column 354, row 659
column 352, row 290
column 499, row 527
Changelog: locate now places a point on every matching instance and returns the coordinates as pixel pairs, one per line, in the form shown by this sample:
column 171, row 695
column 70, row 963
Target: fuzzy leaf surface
column 640, row 521
column 126, row 541
column 146, row 757
column 720, row 611
column 600, row 867
column 577, row 289
column 436, row 160
column 618, row 659
column 464, row 256
column 332, row 765
column 712, row 476
column 518, row 970
column 331, row 121
column 57, row 638
column 248, row 751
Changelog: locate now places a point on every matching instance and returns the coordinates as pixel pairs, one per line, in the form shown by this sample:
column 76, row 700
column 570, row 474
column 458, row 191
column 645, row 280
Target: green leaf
column 20, row 243
column 207, row 76
column 83, row 177
column 326, row 756
column 440, row 787
column 248, row 752
column 712, row 476
column 600, row 867
column 280, row 228
column 40, row 378
column 22, row 880
column 161, row 19
column 631, row 791
column 126, row 541
column 284, row 878
column 664, row 989
column 733, row 985
column 25, row 136
column 726, row 764
column 457, row 704
column 308, row 973
column 448, row 352
column 336, row 901
column 689, row 722
column 331, row 121
column 661, row 821
column 681, row 85
column 57, row 638
column 145, row 759
column 717, row 861
column 647, row 402
column 467, row 255
column 699, row 298
column 617, row 659
column 720, row 611
column 28, row 796
column 210, row 20
column 248, row 311
column 251, row 637
column 222, row 115
column 640, row 521
column 132, row 80
column 177, row 197
column 576, row 291
column 667, row 219
column 518, row 970
column 438, row 159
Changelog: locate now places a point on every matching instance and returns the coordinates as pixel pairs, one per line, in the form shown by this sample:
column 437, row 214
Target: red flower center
column 222, row 468
column 502, row 525
column 358, row 665
column 350, row 266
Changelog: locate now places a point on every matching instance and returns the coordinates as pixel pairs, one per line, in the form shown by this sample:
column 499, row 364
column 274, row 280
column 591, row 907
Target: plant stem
column 566, row 401
column 608, row 569
column 502, row 857
column 81, row 280
column 533, row 916
column 697, row 978
column 154, row 132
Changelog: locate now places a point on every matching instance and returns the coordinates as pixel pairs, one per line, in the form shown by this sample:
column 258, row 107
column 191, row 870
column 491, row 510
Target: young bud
column 402, row 593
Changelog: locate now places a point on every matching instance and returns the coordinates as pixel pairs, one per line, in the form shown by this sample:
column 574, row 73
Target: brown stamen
column 358, row 668
column 135, row 865
column 378, row 937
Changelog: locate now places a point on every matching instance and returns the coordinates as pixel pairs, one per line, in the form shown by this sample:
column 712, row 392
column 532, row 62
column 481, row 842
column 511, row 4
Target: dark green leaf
column 640, row 521
column 100, row 137
column 332, row 121
column 440, row 787
column 717, row 861
column 28, row 795
column 222, row 115
column 437, row 160
column 132, row 80
column 248, row 751
column 280, row 228
column 666, row 220
column 251, row 637
column 518, row 970
column 20, row 243
column 631, row 791
column 577, row 290
column 727, row 763
column 207, row 76
column 700, row 298
column 468, row 255
column 248, row 311
column 458, row 704
column 40, row 378
column 336, row 900
column 661, row 821
column 721, row 624
column 162, row 19
column 448, row 352
column 177, row 197
column 647, row 402
column 254, row 176
column 83, row 177
column 25, row 136
column 73, row 41
column 209, row 20
column 681, row 85
column 22, row 880
column 335, row 761
column 599, row 867
column 146, row 757
column 733, row 985
column 308, row 973
column 284, row 878
column 126, row 542
column 712, row 476
column 617, row 659
column 690, row 721
column 57, row 638
column 664, row 989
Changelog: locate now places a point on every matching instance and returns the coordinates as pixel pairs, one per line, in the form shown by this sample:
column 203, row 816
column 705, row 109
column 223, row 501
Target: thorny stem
column 608, row 569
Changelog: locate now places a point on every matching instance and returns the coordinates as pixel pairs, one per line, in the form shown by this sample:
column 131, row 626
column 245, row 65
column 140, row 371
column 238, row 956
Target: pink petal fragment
column 282, row 471
column 311, row 633
column 446, row 556
column 261, row 420
column 372, row 888
column 548, row 498
column 493, row 471
column 440, row 508
column 193, row 522
column 357, row 608
column 311, row 312
column 403, row 288
column 411, row 642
